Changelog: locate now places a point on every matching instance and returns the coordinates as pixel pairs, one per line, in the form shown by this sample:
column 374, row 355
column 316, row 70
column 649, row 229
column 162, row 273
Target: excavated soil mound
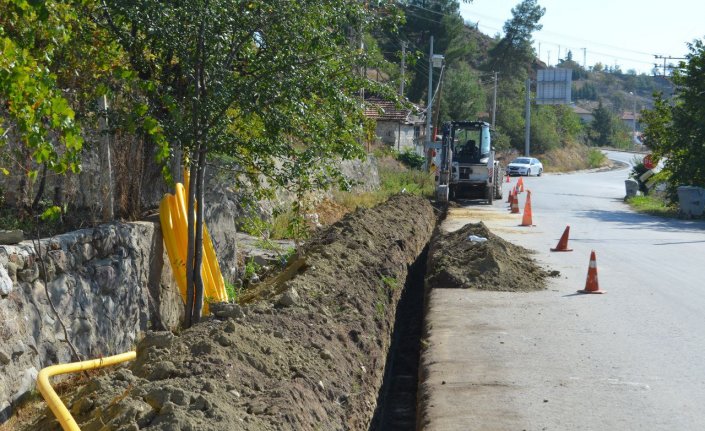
column 307, row 352
column 461, row 259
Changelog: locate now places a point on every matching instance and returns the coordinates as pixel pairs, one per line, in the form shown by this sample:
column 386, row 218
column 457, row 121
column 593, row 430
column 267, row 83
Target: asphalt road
column 633, row 358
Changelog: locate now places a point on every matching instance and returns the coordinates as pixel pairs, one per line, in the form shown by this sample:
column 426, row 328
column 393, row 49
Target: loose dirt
column 457, row 260
column 307, row 351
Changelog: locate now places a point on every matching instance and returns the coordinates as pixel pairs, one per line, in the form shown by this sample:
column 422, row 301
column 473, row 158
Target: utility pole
column 439, row 93
column 106, row 177
column 429, row 107
column 559, row 55
column 494, row 100
column 667, row 57
column 403, row 67
column 549, row 58
column 584, row 58
column 527, row 126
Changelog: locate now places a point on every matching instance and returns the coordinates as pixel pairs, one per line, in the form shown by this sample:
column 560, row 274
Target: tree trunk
column 198, row 245
column 190, row 264
column 40, row 191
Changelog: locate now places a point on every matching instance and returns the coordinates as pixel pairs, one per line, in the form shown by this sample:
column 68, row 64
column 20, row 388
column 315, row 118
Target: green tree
column 462, row 97
column 34, row 113
column 675, row 130
column 544, row 129
column 602, row 126
column 514, row 51
column 271, row 84
column 440, row 19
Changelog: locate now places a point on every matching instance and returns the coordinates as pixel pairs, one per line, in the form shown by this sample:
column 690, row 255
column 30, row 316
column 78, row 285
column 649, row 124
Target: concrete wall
column 396, row 135
column 108, row 284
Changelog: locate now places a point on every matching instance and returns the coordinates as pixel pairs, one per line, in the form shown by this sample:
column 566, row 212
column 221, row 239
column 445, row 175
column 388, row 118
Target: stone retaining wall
column 108, row 284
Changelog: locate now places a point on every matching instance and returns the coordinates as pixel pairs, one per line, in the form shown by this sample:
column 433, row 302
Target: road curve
column 554, row 360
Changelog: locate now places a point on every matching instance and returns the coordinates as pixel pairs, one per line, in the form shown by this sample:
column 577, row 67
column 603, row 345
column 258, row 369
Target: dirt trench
column 307, row 353
column 331, row 343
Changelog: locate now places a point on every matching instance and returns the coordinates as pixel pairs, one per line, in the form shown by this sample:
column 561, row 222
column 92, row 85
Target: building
column 585, row 115
column 627, row 118
column 398, row 127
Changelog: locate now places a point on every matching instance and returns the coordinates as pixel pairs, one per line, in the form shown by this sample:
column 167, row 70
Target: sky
column 627, row 33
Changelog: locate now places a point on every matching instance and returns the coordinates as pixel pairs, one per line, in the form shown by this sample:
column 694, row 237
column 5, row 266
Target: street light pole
column 429, row 108
column 633, row 114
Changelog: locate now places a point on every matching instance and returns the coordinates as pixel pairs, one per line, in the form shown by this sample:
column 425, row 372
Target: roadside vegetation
column 653, row 205
column 674, row 128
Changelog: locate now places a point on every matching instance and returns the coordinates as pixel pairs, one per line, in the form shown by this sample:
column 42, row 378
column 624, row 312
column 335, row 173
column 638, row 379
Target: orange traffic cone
column 591, row 285
column 520, row 185
column 563, row 242
column 526, row 220
column 508, row 180
column 515, row 203
column 510, row 197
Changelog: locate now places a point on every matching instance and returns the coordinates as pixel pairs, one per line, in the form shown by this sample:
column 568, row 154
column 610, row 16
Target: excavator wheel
column 489, row 194
column 497, row 183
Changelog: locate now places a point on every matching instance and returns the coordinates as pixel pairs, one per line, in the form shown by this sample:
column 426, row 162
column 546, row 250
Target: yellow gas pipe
column 67, row 422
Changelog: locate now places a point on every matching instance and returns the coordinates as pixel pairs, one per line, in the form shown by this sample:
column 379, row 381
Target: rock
column 321, row 386
column 87, row 252
column 58, row 258
column 201, row 347
column 162, row 370
column 29, row 274
column 105, row 277
column 158, row 339
column 157, row 397
column 256, row 408
column 201, row 403
column 168, row 408
column 4, row 357
column 12, row 271
column 208, row 387
column 179, row 397
column 223, row 340
column 235, row 393
column 327, row 355
column 224, row 310
column 230, row 327
column 26, row 383
column 289, row 298
column 11, row 236
column 5, row 282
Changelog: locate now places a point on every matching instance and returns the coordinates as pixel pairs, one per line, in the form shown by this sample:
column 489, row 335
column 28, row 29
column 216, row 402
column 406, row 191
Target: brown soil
column 329, row 212
column 308, row 351
column 457, row 262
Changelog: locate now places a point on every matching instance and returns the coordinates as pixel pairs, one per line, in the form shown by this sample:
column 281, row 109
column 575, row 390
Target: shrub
column 411, row 159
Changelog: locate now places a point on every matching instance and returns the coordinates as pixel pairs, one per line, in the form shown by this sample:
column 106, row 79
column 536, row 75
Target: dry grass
column 573, row 158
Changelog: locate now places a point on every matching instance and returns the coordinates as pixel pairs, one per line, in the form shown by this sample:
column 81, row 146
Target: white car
column 525, row 166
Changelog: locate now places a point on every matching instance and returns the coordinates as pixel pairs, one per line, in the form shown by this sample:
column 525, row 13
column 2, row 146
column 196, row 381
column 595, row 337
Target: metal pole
column 403, row 66
column 634, row 115
column 494, row 100
column 106, row 165
column 527, row 127
column 429, row 105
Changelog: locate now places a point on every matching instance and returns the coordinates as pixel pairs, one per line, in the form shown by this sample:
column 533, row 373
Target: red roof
column 384, row 110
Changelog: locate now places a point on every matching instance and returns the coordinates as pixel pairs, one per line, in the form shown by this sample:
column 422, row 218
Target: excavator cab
column 468, row 168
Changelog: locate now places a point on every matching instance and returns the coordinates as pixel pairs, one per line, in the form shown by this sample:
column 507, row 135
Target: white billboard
column 553, row 86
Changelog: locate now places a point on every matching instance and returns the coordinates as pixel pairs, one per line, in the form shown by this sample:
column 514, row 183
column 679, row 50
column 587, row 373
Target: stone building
column 398, row 127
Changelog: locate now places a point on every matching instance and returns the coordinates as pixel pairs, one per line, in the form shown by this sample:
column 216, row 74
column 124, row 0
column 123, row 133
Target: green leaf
column 51, row 214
